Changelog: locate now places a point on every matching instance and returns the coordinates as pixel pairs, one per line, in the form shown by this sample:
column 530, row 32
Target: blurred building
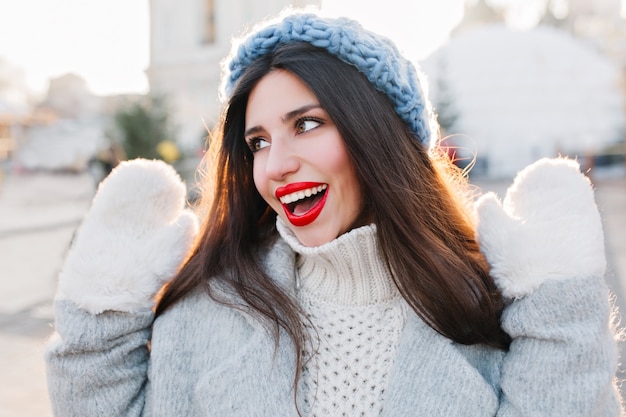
column 509, row 97
column 9, row 124
column 14, row 108
column 69, row 97
column 188, row 40
column 65, row 131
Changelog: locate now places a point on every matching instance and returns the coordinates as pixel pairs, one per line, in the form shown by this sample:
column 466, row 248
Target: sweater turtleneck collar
column 346, row 271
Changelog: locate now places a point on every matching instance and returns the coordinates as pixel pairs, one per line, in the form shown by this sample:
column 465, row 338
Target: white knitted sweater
column 357, row 315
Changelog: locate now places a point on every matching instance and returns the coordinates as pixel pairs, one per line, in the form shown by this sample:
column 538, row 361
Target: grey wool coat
column 210, row 360
column 110, row 358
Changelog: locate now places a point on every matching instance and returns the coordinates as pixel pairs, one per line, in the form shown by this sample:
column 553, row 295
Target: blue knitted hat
column 373, row 55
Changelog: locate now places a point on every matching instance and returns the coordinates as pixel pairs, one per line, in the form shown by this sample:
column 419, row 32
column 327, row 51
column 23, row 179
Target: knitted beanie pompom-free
column 373, row 55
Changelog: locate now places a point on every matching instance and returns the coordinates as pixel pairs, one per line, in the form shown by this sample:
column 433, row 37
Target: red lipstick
column 312, row 213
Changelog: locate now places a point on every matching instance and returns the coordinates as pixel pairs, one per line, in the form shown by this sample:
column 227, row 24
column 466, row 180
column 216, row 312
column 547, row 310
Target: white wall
column 188, row 70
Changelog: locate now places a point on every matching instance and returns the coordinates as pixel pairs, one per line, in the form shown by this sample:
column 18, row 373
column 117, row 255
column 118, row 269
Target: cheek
column 343, row 169
column 260, row 179
column 354, row 195
column 339, row 164
column 329, row 158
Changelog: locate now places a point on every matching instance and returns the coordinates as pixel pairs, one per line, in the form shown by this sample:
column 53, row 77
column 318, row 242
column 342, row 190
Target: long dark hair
column 424, row 229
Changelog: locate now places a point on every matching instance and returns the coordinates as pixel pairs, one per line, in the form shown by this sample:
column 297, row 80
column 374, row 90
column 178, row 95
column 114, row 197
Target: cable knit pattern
column 357, row 316
column 373, row 55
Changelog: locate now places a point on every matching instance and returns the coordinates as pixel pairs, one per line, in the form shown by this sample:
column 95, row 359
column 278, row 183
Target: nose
column 281, row 161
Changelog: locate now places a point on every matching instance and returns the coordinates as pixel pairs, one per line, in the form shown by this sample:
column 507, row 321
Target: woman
column 337, row 270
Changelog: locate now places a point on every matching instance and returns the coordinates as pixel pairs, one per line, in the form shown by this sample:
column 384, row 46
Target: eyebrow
column 286, row 118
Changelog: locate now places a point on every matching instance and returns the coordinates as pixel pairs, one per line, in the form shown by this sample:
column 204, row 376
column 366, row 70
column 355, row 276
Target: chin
column 312, row 239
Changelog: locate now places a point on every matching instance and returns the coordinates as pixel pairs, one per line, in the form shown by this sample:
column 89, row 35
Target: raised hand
column 547, row 228
column 132, row 240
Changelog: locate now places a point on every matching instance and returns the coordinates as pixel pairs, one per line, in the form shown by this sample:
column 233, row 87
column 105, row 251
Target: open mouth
column 302, row 202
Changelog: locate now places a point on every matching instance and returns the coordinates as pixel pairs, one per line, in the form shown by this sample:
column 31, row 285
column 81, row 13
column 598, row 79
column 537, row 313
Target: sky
column 107, row 41
column 104, row 41
column 418, row 27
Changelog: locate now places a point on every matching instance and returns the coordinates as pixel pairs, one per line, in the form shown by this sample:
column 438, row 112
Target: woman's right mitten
column 133, row 239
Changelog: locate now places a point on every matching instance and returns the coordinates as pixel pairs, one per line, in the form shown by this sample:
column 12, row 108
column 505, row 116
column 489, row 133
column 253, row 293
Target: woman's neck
column 349, row 270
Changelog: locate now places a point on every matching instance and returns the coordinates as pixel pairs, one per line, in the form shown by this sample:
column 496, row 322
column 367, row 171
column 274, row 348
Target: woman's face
column 301, row 167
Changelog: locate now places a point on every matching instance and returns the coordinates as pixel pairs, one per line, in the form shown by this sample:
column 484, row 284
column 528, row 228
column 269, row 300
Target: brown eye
column 304, row 125
column 256, row 144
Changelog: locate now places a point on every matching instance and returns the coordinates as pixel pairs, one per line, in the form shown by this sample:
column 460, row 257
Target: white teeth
column 299, row 195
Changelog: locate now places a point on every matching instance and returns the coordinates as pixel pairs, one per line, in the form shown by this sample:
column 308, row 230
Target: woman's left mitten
column 547, row 228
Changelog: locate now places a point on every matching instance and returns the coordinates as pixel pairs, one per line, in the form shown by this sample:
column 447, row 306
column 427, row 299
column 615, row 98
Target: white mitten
column 547, row 228
column 132, row 240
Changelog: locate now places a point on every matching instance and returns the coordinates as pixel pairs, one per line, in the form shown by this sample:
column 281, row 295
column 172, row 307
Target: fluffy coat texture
column 207, row 359
column 132, row 240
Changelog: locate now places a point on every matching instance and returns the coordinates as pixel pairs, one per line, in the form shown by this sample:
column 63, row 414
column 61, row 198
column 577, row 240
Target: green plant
column 142, row 125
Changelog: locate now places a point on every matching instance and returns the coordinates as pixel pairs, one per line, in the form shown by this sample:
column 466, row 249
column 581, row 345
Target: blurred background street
column 38, row 215
column 85, row 85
